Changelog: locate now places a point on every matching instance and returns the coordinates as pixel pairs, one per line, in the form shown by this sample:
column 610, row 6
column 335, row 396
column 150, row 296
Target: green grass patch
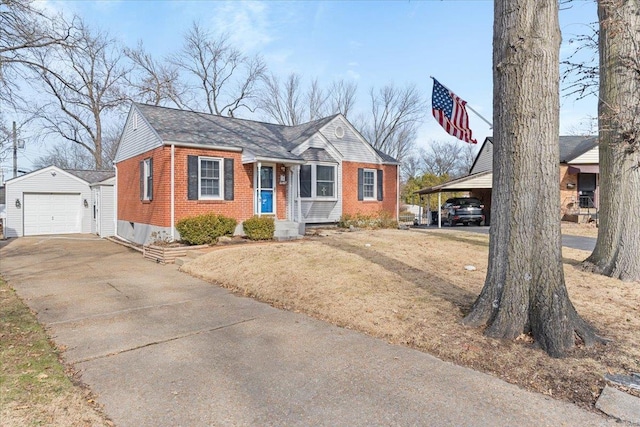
column 30, row 369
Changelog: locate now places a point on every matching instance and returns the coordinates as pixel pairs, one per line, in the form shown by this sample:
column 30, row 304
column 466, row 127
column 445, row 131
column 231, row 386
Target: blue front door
column 267, row 184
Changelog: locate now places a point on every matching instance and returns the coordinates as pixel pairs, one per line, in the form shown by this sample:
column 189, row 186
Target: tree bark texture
column 617, row 251
column 524, row 290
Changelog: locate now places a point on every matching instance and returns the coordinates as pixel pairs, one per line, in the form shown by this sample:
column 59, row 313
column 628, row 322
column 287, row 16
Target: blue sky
column 370, row 42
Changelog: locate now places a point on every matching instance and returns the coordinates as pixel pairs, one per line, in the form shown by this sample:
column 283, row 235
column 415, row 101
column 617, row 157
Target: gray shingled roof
column 91, row 176
column 385, row 157
column 575, row 146
column 572, row 146
column 262, row 139
column 317, row 155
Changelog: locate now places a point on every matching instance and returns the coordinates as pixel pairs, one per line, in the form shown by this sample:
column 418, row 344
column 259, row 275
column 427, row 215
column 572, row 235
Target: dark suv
column 466, row 210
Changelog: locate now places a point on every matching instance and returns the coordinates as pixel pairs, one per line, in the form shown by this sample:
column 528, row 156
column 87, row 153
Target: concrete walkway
column 160, row 348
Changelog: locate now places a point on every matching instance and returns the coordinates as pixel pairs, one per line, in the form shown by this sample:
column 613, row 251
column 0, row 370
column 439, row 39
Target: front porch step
column 288, row 230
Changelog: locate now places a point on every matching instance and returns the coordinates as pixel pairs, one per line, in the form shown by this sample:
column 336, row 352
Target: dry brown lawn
column 411, row 288
column 584, row 230
column 35, row 387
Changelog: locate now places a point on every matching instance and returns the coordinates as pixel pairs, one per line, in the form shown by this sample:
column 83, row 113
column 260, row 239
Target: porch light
column 85, row 203
column 571, row 185
column 18, row 204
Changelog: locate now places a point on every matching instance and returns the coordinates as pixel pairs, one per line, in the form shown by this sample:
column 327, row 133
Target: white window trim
column 375, row 184
column 147, row 175
column 220, row 161
column 314, row 182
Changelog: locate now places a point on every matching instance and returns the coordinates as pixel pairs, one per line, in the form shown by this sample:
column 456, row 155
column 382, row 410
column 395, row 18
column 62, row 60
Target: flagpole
column 468, row 106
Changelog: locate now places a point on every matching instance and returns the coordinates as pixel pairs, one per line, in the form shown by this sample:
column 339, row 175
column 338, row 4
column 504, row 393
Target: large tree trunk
column 617, row 251
column 524, row 289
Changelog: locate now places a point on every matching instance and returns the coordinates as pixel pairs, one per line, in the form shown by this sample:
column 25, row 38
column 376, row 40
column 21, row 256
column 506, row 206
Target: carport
column 478, row 184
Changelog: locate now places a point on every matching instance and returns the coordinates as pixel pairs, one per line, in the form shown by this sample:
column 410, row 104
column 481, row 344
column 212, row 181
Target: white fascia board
column 49, row 169
column 203, row 146
column 276, row 160
column 108, row 181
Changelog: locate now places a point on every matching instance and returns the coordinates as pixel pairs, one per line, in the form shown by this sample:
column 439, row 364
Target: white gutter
column 115, row 204
column 277, row 160
column 259, row 187
column 173, row 191
column 397, row 193
column 207, row 146
column 297, row 184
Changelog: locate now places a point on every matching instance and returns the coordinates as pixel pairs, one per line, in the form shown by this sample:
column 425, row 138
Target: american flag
column 449, row 110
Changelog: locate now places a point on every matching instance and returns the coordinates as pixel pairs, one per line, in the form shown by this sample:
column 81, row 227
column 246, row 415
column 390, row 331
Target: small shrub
column 360, row 220
column 205, row 229
column 259, row 228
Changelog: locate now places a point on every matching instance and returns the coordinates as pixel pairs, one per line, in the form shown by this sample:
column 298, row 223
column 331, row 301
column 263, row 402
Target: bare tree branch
column 342, row 96
column 153, row 82
column 225, row 79
column 395, row 116
column 84, row 81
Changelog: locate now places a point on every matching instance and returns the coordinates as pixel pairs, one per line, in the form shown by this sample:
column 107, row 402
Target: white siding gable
column 137, row 137
column 484, row 159
column 351, row 145
column 591, row 157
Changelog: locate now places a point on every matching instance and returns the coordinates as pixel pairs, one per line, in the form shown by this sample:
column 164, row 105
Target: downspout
column 259, row 188
column 397, row 193
column 439, row 210
column 115, row 204
column 173, row 190
column 299, row 205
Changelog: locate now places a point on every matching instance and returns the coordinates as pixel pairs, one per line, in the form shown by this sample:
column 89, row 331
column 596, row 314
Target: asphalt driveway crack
column 189, row 334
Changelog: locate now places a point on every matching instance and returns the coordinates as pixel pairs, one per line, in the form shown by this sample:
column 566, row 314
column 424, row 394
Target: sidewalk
column 159, row 347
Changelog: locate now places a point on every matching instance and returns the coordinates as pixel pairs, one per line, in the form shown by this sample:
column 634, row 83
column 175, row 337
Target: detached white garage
column 56, row 201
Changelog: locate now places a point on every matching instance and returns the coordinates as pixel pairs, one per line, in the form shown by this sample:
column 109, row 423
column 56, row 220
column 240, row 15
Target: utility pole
column 15, row 150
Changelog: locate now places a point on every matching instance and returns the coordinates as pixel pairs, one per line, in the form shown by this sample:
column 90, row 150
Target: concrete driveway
column 160, row 348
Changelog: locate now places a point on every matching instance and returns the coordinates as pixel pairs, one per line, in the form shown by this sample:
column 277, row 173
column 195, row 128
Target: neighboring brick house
column 579, row 177
column 173, row 164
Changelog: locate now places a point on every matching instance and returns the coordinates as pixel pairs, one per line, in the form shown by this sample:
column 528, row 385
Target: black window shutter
column 192, row 177
column 305, row 181
column 150, row 182
column 360, row 184
column 228, row 179
column 142, row 180
column 380, row 184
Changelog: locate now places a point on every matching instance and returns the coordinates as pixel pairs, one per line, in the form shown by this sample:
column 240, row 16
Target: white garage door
column 52, row 214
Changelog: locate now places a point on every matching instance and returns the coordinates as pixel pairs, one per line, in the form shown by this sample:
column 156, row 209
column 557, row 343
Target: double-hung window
column 210, row 178
column 318, row 181
column 369, row 184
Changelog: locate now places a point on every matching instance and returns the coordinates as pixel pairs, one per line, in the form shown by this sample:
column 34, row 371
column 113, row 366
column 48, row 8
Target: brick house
column 578, row 180
column 173, row 164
